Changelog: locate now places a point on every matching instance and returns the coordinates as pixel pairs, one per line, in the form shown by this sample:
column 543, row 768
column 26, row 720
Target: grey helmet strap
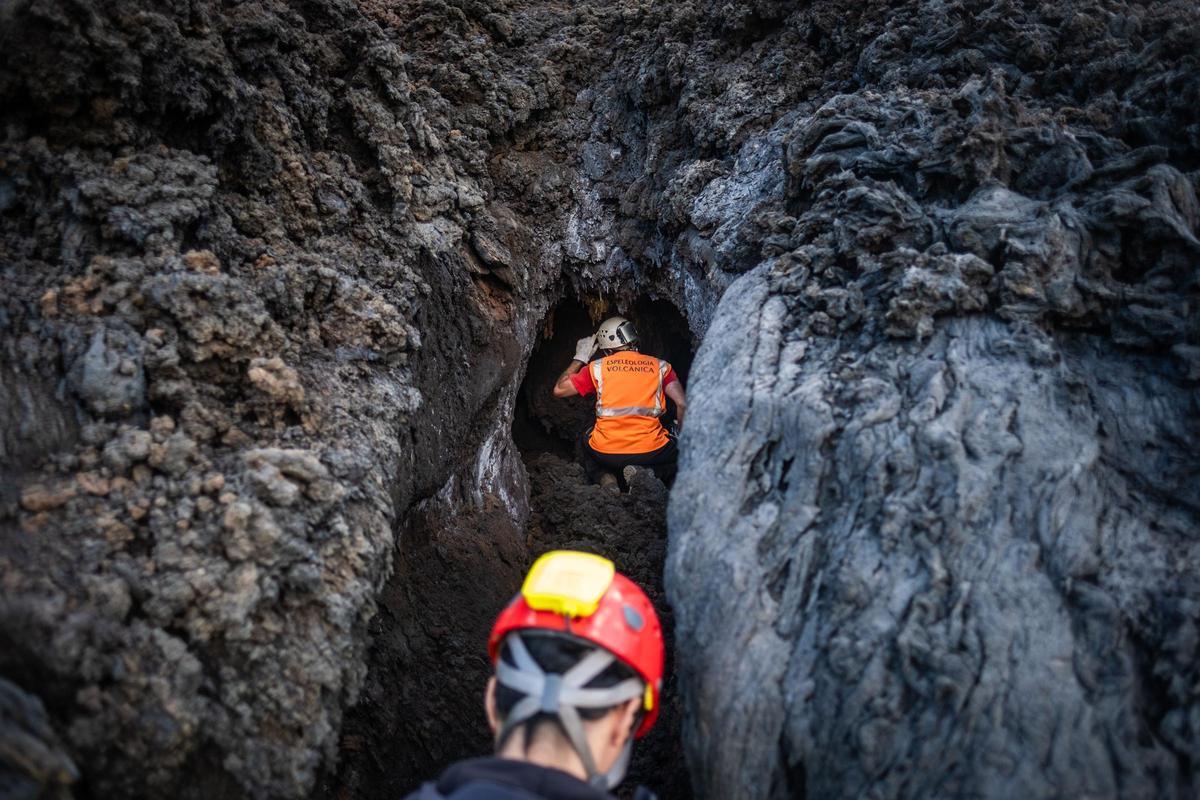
column 616, row 773
column 561, row 696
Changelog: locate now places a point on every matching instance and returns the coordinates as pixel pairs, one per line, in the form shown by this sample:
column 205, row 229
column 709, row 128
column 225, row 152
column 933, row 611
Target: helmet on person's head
column 583, row 598
column 616, row 332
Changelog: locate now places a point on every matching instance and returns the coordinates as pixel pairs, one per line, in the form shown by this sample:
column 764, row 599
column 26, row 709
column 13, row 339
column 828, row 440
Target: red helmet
column 583, row 595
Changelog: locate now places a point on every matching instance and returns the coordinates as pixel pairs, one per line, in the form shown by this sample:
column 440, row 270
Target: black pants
column 595, row 463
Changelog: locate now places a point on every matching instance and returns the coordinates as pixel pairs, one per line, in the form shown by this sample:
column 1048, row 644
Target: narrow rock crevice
column 462, row 560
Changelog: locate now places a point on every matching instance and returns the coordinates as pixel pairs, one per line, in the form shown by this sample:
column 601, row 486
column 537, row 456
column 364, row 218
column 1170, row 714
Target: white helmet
column 615, row 332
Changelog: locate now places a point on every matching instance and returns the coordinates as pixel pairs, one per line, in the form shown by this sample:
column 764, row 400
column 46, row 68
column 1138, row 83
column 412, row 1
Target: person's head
column 606, row 730
column 616, row 334
column 578, row 656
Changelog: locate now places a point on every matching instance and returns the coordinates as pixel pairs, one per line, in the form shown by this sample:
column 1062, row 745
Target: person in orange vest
column 630, row 389
column 578, row 657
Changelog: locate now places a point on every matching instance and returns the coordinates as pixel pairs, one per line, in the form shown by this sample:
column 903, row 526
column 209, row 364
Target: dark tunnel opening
column 544, row 424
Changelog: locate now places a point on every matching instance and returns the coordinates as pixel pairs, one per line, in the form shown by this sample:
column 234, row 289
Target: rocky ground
column 275, row 275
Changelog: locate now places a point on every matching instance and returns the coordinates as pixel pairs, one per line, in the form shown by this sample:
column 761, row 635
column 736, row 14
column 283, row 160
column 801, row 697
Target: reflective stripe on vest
column 598, row 379
column 629, row 411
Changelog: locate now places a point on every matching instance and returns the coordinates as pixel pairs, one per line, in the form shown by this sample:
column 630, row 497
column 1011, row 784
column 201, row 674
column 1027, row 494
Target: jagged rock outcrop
column 254, row 310
column 273, row 273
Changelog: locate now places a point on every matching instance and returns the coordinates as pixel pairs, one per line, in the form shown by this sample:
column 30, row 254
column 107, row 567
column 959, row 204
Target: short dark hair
column 556, row 653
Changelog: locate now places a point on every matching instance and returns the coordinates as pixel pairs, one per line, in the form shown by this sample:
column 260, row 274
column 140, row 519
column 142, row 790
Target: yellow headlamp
column 568, row 583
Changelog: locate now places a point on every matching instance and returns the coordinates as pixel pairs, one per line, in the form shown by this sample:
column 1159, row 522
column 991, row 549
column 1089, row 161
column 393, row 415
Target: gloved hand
column 584, row 349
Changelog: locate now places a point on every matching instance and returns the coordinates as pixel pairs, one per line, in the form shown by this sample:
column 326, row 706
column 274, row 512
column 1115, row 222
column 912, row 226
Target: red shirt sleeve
column 670, row 378
column 582, row 381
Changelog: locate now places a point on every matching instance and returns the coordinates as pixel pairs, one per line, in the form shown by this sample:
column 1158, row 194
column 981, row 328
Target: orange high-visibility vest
column 629, row 401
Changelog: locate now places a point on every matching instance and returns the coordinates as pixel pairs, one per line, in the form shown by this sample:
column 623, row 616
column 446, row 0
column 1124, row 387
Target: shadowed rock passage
column 567, row 512
column 273, row 274
column 421, row 706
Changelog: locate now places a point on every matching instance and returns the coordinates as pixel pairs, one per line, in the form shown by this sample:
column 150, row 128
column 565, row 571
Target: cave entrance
column 545, row 424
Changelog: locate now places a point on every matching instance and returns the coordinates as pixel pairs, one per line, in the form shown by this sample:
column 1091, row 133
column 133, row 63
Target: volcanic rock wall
column 273, row 271
column 937, row 526
column 255, row 309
